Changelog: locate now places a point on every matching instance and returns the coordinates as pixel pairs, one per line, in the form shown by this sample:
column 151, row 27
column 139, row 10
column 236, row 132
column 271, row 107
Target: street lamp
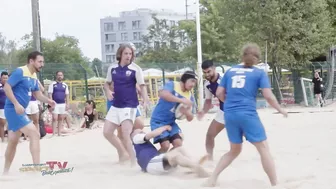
column 199, row 56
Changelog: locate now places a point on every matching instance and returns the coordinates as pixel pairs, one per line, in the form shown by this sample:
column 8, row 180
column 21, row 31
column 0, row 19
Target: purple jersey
column 144, row 150
column 124, row 81
column 211, row 88
column 2, row 97
column 59, row 90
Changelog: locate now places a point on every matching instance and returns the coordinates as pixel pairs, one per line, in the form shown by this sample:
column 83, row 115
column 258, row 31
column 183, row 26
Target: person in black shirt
column 317, row 80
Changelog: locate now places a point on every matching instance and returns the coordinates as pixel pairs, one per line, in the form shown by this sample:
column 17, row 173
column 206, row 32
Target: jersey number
column 238, row 81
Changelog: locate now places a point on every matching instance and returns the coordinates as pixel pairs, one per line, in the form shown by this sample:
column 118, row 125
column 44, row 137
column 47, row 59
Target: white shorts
column 59, row 109
column 2, row 114
column 155, row 166
column 118, row 115
column 32, row 108
column 220, row 117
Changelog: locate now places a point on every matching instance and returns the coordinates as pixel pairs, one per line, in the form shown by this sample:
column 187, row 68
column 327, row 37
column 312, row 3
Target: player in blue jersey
column 3, row 80
column 173, row 94
column 153, row 162
column 21, row 85
column 239, row 87
column 123, row 77
column 217, row 125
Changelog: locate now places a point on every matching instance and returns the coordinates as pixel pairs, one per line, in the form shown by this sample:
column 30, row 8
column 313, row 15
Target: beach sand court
column 302, row 145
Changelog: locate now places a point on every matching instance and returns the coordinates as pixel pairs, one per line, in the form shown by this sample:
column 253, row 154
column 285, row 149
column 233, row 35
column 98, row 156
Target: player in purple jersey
column 21, row 85
column 59, row 92
column 217, row 125
column 153, row 162
column 123, row 77
column 4, row 78
column 239, row 88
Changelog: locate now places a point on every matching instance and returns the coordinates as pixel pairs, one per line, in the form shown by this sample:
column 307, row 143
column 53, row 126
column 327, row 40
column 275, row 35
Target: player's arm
column 267, row 92
column 142, row 85
column 108, row 84
column 167, row 93
column 142, row 138
column 41, row 86
column 38, row 93
column 221, row 89
column 208, row 101
column 67, row 96
column 50, row 90
column 13, row 80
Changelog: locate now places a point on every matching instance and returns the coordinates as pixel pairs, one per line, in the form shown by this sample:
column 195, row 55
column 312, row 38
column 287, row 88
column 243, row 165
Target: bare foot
column 123, row 159
column 204, row 159
column 210, row 182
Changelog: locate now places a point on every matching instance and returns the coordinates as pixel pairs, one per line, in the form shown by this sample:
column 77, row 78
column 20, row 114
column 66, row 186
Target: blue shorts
column 15, row 121
column 248, row 124
column 109, row 104
column 167, row 135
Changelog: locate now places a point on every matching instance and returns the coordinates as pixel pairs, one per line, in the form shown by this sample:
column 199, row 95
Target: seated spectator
column 90, row 115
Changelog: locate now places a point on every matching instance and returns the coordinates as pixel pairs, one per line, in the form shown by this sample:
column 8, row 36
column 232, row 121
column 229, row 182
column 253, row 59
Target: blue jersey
column 211, row 88
column 23, row 83
column 165, row 110
column 242, row 85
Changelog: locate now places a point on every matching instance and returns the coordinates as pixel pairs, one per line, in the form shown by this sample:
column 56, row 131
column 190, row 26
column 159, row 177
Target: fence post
column 86, row 83
column 163, row 76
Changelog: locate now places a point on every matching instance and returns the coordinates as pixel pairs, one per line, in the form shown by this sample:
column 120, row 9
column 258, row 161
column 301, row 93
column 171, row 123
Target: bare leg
column 138, row 123
column 54, row 123
column 13, row 140
column 165, row 145
column 108, row 131
column 267, row 161
column 35, row 119
column 223, row 163
column 2, row 129
column 60, row 124
column 34, row 141
column 177, row 143
column 178, row 157
column 126, row 130
column 213, row 131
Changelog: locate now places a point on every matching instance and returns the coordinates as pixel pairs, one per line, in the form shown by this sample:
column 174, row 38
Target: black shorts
column 317, row 91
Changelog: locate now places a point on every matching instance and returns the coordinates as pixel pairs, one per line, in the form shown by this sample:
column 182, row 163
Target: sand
column 303, row 146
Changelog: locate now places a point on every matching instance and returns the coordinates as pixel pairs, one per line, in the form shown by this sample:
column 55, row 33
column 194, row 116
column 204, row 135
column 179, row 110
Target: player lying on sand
column 151, row 161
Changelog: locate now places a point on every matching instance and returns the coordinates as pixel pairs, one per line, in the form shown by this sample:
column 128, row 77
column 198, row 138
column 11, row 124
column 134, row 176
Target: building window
column 122, row 25
column 138, row 45
column 110, row 37
column 108, row 27
column 109, row 48
column 113, row 58
column 136, row 36
column 109, row 58
column 136, row 24
column 124, row 37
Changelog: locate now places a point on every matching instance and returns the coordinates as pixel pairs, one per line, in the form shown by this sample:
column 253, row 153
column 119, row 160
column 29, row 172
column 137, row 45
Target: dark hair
column 58, row 72
column 91, row 102
column 188, row 75
column 33, row 55
column 207, row 64
column 4, row 73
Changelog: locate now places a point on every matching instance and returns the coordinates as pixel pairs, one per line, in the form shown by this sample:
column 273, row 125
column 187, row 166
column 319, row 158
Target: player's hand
column 110, row 96
column 284, row 113
column 146, row 104
column 19, row 109
column 52, row 103
column 187, row 102
column 168, row 127
column 200, row 115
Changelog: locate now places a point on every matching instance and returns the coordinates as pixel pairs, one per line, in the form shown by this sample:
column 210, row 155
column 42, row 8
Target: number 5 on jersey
column 238, row 81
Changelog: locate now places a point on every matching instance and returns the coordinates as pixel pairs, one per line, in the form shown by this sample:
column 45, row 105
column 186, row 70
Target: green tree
column 163, row 43
column 96, row 66
column 8, row 52
column 60, row 54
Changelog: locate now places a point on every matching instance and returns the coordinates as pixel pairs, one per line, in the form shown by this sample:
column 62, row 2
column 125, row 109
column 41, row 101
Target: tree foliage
column 96, row 66
column 163, row 43
column 8, row 51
